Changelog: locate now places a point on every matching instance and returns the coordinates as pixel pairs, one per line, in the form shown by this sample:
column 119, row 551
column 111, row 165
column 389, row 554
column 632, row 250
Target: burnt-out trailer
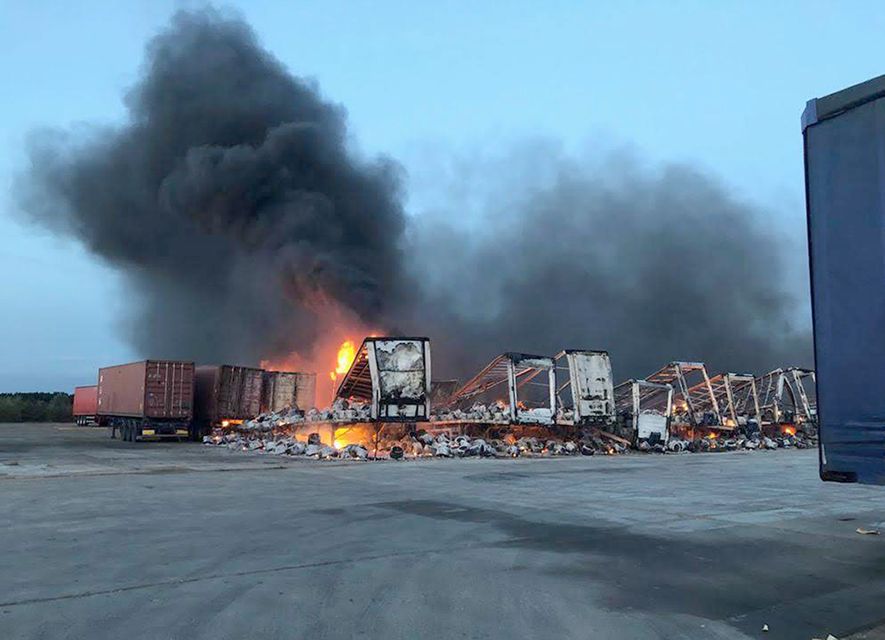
column 844, row 141
column 588, row 377
column 226, row 394
column 392, row 374
column 147, row 398
column 522, row 384
column 282, row 389
column 644, row 410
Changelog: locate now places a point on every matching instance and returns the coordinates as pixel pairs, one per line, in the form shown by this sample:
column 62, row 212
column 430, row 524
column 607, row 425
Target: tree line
column 36, row 407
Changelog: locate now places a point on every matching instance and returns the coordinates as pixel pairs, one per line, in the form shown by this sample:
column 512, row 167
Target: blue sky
column 717, row 84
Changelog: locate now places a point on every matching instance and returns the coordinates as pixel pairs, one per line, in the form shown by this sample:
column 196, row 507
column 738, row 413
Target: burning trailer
column 644, row 409
column 391, row 375
column 386, row 387
column 588, row 379
column 517, row 405
column 226, row 395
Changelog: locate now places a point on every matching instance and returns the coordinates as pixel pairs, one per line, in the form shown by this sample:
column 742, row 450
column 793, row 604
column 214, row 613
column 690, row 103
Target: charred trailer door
column 844, row 138
column 393, row 375
column 284, row 389
column 590, row 385
column 227, row 394
column 400, row 372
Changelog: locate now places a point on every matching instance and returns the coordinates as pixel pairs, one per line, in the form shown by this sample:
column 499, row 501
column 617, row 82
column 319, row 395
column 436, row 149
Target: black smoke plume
column 228, row 199
column 232, row 205
column 651, row 264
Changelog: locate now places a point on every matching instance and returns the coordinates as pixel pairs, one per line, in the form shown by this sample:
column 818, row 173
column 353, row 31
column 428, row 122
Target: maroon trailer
column 85, row 405
column 226, row 394
column 147, row 398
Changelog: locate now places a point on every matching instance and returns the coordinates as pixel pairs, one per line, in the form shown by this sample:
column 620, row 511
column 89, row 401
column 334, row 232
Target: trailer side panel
column 844, row 138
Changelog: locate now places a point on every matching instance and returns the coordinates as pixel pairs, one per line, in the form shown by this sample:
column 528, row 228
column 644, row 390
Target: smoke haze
column 242, row 221
column 652, row 264
column 229, row 200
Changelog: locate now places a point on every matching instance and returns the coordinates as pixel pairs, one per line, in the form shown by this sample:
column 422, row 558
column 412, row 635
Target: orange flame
column 322, row 353
column 346, row 356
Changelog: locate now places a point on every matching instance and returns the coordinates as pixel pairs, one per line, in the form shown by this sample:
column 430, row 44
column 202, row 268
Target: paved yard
column 105, row 539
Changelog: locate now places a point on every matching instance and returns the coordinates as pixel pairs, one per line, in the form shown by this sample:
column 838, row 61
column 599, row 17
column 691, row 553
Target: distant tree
column 59, row 408
column 10, row 408
column 36, row 407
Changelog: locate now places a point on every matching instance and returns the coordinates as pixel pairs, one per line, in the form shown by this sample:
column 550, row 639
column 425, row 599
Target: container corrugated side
column 85, row 400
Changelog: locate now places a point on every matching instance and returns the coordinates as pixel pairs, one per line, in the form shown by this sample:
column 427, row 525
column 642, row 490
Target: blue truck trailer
column 844, row 138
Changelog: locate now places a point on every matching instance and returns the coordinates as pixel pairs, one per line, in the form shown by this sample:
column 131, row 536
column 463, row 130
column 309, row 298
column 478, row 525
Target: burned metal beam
column 515, row 371
column 734, row 395
column 690, row 396
column 784, row 391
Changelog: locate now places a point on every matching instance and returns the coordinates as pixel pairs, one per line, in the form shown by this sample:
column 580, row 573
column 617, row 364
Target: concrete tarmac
column 106, row 539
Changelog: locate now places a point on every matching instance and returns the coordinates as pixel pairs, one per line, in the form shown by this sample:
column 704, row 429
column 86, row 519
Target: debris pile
column 341, row 411
column 497, row 412
column 416, row 444
column 730, row 443
column 272, row 435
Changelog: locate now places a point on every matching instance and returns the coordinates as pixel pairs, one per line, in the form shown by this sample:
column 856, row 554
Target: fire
column 346, row 356
column 790, row 431
column 323, row 354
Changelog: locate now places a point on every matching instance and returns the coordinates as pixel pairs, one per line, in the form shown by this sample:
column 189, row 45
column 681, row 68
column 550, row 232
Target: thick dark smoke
column 229, row 200
column 653, row 265
column 231, row 203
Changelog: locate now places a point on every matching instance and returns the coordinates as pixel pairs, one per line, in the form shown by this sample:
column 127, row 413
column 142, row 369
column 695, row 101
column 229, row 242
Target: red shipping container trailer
column 226, row 394
column 151, row 397
column 85, row 405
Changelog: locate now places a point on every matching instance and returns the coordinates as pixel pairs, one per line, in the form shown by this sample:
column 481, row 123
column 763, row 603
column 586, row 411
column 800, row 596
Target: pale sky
column 717, row 84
